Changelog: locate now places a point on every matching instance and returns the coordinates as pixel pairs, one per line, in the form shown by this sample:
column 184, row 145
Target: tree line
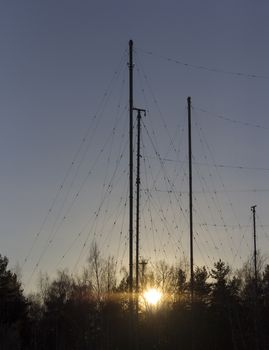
column 92, row 310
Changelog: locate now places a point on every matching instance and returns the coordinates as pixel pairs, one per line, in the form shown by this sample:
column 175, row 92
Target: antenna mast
column 130, row 167
column 191, row 219
column 253, row 209
column 139, row 110
column 190, row 195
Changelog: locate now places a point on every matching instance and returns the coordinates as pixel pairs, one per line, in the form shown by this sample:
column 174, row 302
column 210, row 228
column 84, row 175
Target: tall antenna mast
column 131, row 167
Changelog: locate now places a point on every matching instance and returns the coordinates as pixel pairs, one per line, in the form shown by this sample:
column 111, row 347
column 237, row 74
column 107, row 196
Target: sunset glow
column 152, row 296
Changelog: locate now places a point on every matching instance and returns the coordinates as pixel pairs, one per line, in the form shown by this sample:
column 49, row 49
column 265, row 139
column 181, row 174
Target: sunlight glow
column 152, row 296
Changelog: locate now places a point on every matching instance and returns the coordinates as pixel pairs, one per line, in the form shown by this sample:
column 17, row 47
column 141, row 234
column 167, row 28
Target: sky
column 64, row 130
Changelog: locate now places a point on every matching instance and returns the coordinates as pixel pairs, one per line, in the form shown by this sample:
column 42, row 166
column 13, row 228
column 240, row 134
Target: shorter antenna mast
column 139, row 110
column 191, row 219
column 253, row 209
column 190, row 195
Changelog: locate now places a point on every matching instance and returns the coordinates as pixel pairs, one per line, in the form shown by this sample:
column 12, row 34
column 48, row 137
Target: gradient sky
column 63, row 69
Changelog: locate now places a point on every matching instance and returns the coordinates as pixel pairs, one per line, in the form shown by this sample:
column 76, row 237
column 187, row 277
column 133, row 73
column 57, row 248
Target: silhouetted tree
column 225, row 307
column 13, row 308
column 200, row 285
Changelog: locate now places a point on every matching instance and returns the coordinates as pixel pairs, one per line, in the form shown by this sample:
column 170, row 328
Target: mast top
column 253, row 207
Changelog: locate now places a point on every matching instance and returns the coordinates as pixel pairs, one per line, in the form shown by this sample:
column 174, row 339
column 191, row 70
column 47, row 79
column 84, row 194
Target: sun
column 152, row 296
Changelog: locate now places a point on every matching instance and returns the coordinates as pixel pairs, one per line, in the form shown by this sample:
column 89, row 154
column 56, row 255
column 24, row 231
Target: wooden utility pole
column 143, row 263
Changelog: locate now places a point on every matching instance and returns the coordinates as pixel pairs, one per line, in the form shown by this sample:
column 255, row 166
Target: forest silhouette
column 92, row 310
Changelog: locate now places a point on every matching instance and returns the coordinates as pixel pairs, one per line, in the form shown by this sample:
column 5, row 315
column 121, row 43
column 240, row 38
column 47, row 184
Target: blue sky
column 57, row 61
